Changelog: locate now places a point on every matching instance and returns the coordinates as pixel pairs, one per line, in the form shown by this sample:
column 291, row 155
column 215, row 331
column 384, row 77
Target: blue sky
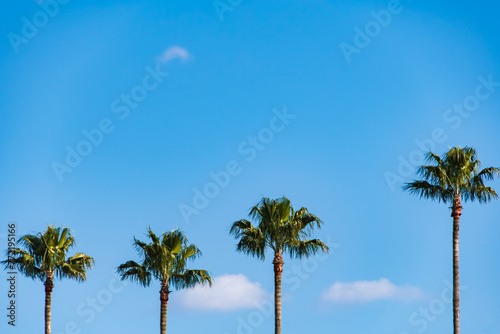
column 267, row 92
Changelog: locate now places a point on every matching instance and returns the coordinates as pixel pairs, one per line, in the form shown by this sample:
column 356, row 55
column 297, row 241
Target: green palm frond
column 190, row 278
column 252, row 239
column 174, row 241
column 424, row 189
column 187, row 253
column 139, row 246
column 24, row 262
column 487, row 174
column 305, row 220
column 238, row 227
column 153, row 237
column 433, row 158
column 434, row 174
column 135, row 272
column 253, row 243
column 306, row 248
column 480, row 193
column 76, row 267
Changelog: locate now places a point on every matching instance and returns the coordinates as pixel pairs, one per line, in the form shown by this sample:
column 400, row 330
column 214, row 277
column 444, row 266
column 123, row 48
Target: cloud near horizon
column 228, row 293
column 367, row 291
column 174, row 52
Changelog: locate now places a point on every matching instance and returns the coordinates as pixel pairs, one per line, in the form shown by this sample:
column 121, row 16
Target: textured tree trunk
column 278, row 269
column 49, row 286
column 456, row 211
column 163, row 309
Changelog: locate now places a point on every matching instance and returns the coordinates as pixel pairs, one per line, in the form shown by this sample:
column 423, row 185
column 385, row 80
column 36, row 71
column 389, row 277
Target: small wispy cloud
column 368, row 291
column 174, row 52
column 228, row 292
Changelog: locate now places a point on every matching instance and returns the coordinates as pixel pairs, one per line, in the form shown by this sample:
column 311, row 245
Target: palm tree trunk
column 163, row 309
column 456, row 212
column 49, row 286
column 278, row 269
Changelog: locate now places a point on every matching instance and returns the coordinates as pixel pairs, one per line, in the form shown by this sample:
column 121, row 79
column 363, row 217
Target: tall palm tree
column 283, row 230
column 44, row 257
column 451, row 179
column 165, row 259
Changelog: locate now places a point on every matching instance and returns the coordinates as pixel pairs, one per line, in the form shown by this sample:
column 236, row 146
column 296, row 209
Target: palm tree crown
column 165, row 259
column 44, row 254
column 280, row 228
column 454, row 175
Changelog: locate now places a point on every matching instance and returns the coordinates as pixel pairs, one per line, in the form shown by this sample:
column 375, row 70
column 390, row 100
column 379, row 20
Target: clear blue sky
column 359, row 100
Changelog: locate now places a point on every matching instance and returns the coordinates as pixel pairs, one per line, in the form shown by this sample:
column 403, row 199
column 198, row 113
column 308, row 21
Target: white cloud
column 367, row 291
column 174, row 52
column 228, row 292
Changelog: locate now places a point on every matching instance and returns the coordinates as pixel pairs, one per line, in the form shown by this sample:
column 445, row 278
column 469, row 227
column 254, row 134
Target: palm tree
column 165, row 259
column 283, row 230
column 451, row 179
column 44, row 257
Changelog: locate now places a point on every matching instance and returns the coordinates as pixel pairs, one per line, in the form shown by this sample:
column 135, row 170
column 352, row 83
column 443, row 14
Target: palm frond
column 487, row 174
column 305, row 220
column 252, row 246
column 190, row 278
column 481, row 193
column 135, row 272
column 24, row 262
column 434, row 175
column 306, row 248
column 75, row 267
column 433, row 158
column 424, row 189
column 239, row 226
